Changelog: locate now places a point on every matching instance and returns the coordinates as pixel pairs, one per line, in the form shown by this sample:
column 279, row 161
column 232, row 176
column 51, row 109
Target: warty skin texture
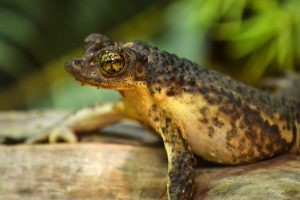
column 196, row 111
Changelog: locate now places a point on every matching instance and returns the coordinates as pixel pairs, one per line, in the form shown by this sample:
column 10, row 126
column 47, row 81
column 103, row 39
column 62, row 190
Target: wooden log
column 131, row 171
column 113, row 171
column 81, row 171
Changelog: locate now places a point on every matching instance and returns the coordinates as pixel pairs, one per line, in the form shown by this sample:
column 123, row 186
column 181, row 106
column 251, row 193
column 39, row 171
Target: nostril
column 74, row 64
column 77, row 62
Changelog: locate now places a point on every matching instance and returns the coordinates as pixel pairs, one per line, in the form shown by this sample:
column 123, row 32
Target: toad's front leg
column 180, row 162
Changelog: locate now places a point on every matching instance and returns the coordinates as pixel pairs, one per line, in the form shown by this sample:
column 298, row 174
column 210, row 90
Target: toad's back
column 224, row 120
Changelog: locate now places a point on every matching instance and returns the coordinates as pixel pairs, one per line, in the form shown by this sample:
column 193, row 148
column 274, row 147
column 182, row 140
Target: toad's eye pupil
column 111, row 63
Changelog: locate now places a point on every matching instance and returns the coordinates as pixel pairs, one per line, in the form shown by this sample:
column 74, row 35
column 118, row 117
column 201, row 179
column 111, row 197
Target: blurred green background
column 247, row 39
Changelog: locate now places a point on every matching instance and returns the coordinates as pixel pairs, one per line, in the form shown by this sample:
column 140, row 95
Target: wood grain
column 110, row 170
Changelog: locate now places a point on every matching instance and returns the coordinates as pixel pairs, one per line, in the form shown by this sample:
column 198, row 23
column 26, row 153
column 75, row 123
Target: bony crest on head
column 112, row 63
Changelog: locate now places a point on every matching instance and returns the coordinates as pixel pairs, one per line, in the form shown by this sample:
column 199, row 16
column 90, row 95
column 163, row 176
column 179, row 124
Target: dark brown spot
column 294, row 131
column 211, row 132
column 170, row 93
column 203, row 111
column 212, row 101
column 242, row 125
column 154, row 107
column 224, row 110
column 158, row 89
column 203, row 90
column 217, row 122
column 204, row 120
column 231, row 135
column 168, row 121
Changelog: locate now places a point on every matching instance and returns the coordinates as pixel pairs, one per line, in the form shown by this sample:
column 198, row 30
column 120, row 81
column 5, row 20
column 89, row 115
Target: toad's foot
column 53, row 135
column 82, row 120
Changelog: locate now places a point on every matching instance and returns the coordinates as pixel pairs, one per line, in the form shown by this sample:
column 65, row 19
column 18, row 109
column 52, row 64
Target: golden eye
column 111, row 63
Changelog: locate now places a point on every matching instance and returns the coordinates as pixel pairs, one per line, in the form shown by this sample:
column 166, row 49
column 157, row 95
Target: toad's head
column 109, row 64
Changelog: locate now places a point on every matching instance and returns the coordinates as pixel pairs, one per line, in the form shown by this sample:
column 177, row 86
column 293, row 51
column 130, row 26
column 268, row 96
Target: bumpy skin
column 196, row 111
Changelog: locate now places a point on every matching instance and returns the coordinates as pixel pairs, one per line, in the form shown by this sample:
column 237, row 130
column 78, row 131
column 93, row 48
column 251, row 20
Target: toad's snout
column 75, row 65
column 84, row 69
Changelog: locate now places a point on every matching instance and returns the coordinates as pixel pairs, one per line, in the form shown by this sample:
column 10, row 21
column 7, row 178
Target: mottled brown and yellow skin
column 196, row 111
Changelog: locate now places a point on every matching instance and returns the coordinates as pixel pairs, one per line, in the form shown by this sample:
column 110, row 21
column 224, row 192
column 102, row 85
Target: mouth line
column 91, row 82
column 88, row 81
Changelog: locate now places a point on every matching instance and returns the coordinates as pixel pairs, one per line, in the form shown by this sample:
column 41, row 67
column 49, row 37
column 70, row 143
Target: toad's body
column 219, row 133
column 193, row 109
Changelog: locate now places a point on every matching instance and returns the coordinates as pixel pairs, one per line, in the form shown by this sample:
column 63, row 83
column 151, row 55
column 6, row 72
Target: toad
column 196, row 111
